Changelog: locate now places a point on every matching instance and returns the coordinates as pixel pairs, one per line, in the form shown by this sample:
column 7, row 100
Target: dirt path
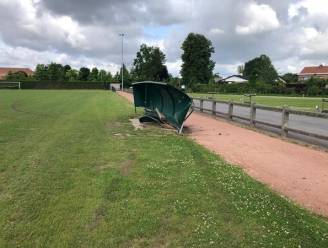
column 298, row 172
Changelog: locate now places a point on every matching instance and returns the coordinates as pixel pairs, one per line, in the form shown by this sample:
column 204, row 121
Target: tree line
column 149, row 64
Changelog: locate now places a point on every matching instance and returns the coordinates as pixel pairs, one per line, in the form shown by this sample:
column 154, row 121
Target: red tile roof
column 321, row 69
column 5, row 70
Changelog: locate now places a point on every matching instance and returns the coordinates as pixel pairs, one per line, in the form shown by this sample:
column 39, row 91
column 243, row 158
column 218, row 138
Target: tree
column 197, row 65
column 316, row 86
column 20, row 75
column 84, row 74
column 260, row 69
column 149, row 64
column 94, row 74
column 175, row 81
column 102, row 76
column 66, row 69
column 41, row 72
column 72, row 75
column 127, row 79
column 290, row 78
column 55, row 72
column 240, row 69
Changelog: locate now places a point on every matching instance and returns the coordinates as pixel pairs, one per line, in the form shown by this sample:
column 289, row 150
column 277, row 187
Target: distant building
column 5, row 70
column 116, row 86
column 280, row 79
column 234, row 79
column 320, row 71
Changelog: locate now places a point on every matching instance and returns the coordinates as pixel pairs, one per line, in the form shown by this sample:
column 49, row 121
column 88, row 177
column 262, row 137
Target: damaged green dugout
column 163, row 103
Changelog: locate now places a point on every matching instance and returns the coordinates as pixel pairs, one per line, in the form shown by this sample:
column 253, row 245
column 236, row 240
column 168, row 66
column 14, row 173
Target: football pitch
column 74, row 172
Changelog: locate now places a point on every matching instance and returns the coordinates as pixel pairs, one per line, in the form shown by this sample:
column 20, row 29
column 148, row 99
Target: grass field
column 75, row 173
column 301, row 103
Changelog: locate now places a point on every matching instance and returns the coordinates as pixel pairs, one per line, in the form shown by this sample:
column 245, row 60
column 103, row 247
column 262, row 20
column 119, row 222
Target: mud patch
column 104, row 167
column 113, row 125
column 126, row 167
column 136, row 124
column 97, row 217
column 15, row 106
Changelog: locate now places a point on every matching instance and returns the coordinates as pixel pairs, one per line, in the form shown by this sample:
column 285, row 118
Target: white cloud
column 293, row 33
column 227, row 69
column 174, row 67
column 153, row 42
column 216, row 31
column 258, row 18
column 314, row 42
column 24, row 57
column 314, row 7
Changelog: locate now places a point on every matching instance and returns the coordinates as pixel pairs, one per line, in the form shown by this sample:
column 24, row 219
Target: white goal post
column 10, row 85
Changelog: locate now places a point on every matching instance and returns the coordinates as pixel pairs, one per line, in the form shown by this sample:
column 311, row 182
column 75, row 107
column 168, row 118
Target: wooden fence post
column 201, row 103
column 230, row 110
column 284, row 121
column 214, row 107
column 252, row 114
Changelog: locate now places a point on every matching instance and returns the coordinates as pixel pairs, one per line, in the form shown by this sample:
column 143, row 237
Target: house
column 280, row 80
column 234, row 79
column 320, row 71
column 5, row 70
column 116, row 86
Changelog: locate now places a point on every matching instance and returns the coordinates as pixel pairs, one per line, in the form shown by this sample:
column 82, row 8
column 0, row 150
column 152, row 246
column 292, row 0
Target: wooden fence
column 285, row 112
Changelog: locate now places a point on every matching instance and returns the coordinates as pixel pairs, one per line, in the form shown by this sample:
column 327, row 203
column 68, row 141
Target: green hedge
column 261, row 88
column 63, row 85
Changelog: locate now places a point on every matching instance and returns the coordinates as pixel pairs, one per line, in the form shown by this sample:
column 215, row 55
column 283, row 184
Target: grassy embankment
column 300, row 103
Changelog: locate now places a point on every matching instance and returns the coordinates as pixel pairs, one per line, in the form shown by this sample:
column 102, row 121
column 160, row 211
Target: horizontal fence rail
column 251, row 116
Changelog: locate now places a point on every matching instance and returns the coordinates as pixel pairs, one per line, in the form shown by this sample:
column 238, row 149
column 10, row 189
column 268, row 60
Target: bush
column 313, row 90
column 203, row 88
column 262, row 88
column 312, row 87
column 63, row 85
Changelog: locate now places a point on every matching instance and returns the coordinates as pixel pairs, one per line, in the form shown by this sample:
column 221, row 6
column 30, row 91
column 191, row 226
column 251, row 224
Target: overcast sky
column 294, row 33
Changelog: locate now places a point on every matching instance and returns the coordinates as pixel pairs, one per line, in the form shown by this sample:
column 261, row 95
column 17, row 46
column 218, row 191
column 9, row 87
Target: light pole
column 122, row 71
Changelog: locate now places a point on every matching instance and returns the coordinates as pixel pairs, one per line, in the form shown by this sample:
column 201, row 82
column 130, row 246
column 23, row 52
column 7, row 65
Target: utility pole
column 122, row 71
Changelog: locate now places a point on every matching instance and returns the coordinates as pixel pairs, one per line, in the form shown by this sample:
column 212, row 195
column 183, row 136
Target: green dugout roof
column 162, row 102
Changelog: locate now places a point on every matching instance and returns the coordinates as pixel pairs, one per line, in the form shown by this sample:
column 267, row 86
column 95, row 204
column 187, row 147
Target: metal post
column 201, row 103
column 284, row 121
column 252, row 114
column 230, row 110
column 214, row 107
column 122, row 71
column 323, row 105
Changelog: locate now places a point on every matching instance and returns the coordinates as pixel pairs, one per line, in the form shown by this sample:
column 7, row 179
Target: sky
column 294, row 33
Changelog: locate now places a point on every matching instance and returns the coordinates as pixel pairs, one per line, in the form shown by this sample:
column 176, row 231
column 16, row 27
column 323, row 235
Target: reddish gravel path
column 298, row 172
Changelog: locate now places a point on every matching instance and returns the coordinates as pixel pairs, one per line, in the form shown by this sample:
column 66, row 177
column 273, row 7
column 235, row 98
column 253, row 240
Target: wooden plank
column 230, row 110
column 241, row 104
column 269, row 108
column 268, row 124
column 252, row 114
column 309, row 134
column 241, row 117
column 311, row 114
column 284, row 121
column 221, row 113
